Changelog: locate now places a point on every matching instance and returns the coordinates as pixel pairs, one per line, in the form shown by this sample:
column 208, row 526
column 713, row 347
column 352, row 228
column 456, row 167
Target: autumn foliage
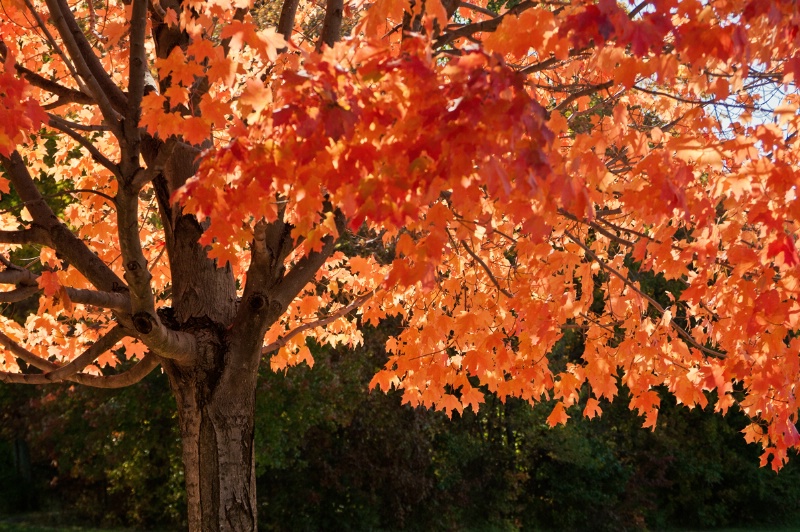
column 491, row 173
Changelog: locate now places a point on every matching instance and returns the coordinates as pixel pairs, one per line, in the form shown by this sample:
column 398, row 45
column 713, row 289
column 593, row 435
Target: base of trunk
column 217, row 415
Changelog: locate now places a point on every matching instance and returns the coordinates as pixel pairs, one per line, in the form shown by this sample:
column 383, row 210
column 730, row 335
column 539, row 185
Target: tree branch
column 100, row 85
column 119, row 301
column 479, row 9
column 131, row 141
column 55, row 373
column 27, row 286
column 139, row 371
column 551, row 61
column 42, row 26
column 18, row 294
column 280, row 342
column 63, row 126
column 19, row 276
column 486, row 269
column 65, row 94
column 332, row 24
column 686, row 336
column 33, row 235
column 271, row 244
column 61, row 238
column 600, row 229
column 92, row 353
column 306, row 268
column 286, row 20
column 483, row 26
column 25, row 355
column 79, row 127
column 588, row 91
column 157, row 167
column 155, row 335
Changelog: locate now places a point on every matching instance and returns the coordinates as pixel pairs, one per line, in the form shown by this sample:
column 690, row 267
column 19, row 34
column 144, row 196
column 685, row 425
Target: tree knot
column 257, row 301
column 143, row 322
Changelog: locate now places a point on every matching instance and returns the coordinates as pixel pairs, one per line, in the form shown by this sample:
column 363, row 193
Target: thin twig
column 280, row 342
column 61, row 125
column 486, row 269
column 686, row 336
column 479, row 9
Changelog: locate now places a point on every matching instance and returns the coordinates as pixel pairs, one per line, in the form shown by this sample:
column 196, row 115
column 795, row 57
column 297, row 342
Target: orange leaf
column 49, row 283
column 558, row 415
column 592, row 408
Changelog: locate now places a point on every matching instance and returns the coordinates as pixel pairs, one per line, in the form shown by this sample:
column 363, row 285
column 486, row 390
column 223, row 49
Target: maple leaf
column 592, row 408
column 784, row 245
column 472, row 398
column 49, row 283
column 134, row 350
column 558, row 415
column 449, row 403
column 591, row 24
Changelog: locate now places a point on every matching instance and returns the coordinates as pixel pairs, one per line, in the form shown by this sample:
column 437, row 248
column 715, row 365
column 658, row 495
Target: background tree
column 522, row 187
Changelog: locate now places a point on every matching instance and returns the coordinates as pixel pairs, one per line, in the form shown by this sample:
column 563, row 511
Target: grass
column 22, row 526
column 45, row 522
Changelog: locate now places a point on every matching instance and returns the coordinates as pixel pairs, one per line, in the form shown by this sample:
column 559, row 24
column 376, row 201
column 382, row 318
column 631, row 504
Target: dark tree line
column 331, row 456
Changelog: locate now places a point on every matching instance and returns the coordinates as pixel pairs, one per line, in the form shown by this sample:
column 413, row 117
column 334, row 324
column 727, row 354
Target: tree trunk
column 216, row 407
column 215, row 390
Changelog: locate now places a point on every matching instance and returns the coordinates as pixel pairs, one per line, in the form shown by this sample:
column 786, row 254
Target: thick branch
column 303, row 271
column 18, row 276
column 271, row 245
column 61, row 238
column 88, row 65
column 286, row 20
column 139, row 371
column 332, row 24
column 33, row 235
column 306, row 268
column 156, row 167
column 28, row 285
column 131, row 141
column 18, row 294
column 111, row 300
column 161, row 340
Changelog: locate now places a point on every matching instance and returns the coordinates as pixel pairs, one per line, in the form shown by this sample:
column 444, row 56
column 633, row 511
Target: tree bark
column 216, row 408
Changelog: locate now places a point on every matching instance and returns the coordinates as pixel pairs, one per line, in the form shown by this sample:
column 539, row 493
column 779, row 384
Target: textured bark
column 332, row 24
column 216, row 401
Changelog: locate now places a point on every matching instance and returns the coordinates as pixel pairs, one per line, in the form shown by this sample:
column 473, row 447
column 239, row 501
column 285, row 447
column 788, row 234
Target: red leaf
column 784, row 245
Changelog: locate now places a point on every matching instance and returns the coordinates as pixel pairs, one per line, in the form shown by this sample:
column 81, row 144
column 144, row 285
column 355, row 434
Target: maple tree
column 244, row 178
